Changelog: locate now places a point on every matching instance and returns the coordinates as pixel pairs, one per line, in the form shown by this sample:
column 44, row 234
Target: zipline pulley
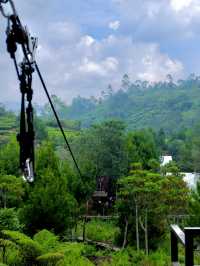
column 19, row 35
column 12, row 7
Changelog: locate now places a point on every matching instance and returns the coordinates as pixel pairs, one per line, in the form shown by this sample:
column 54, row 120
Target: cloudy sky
column 86, row 44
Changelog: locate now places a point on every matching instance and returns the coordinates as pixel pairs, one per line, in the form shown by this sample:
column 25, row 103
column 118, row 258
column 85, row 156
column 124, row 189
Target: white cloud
column 87, row 40
column 114, row 25
column 102, row 68
column 77, row 60
column 62, row 30
column 156, row 69
column 82, row 65
column 159, row 21
column 178, row 5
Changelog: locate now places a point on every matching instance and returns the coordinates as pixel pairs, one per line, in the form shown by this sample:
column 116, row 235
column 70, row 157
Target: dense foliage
column 168, row 105
column 40, row 223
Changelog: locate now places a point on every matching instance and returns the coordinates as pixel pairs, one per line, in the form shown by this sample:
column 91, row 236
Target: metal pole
column 189, row 255
column 174, row 248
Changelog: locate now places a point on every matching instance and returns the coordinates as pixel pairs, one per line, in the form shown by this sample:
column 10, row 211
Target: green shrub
column 130, row 257
column 72, row 248
column 158, row 258
column 47, row 240
column 97, row 230
column 4, row 246
column 74, row 254
column 119, row 259
column 50, row 259
column 29, row 249
column 13, row 257
column 75, row 261
column 9, row 220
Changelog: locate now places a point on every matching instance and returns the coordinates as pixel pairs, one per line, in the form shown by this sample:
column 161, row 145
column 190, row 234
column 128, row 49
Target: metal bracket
column 32, row 45
column 12, row 7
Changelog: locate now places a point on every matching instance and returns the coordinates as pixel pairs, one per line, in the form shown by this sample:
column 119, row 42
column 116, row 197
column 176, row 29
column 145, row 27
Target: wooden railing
column 186, row 238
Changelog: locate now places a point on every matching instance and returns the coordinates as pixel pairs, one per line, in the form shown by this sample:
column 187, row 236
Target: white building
column 191, row 179
column 166, row 159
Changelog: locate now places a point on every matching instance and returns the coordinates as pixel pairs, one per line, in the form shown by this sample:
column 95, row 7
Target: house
column 166, row 159
column 191, row 179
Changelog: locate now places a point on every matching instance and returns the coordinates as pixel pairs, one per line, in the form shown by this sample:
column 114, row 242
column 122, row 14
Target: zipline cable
column 57, row 118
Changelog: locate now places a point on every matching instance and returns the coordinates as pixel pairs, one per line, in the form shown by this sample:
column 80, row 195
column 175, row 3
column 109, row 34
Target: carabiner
column 12, row 7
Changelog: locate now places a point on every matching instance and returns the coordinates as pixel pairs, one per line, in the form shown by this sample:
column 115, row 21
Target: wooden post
column 125, row 233
column 146, row 233
column 137, row 226
column 84, row 225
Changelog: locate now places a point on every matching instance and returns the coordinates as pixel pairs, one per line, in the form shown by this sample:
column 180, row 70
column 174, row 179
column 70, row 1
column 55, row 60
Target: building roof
column 166, row 159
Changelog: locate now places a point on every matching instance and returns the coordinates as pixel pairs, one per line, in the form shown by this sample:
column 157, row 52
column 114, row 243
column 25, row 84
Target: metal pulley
column 2, row 10
column 17, row 35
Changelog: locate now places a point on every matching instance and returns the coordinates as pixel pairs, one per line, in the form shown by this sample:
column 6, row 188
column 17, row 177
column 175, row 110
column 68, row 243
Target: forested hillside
column 120, row 136
column 41, row 223
column 168, row 105
column 8, row 124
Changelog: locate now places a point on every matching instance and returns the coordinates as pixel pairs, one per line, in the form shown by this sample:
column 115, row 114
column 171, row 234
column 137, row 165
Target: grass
column 7, row 122
column 97, row 230
column 56, row 137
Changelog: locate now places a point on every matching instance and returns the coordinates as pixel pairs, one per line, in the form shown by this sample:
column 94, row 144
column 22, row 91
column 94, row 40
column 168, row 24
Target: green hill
column 8, row 123
column 163, row 105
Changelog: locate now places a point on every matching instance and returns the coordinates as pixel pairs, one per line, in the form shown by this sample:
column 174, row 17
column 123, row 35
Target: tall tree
column 125, row 82
column 194, row 207
column 147, row 198
column 9, row 158
column 11, row 191
column 102, row 148
column 50, row 204
column 141, row 147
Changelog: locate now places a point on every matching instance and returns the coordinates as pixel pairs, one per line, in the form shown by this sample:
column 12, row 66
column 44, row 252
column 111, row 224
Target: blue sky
column 86, row 45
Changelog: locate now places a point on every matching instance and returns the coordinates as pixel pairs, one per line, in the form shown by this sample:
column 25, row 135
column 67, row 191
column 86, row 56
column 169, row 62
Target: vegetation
column 97, row 230
column 121, row 136
column 168, row 105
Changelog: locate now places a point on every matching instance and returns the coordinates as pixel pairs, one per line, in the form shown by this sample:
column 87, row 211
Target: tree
column 80, row 106
column 29, row 250
column 9, row 220
column 110, row 90
column 60, row 106
column 175, row 195
column 11, row 190
column 50, row 204
column 141, row 147
column 102, row 148
column 161, row 141
column 146, row 199
column 46, row 159
column 140, row 191
column 9, row 158
column 194, row 207
column 40, row 129
column 125, row 82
